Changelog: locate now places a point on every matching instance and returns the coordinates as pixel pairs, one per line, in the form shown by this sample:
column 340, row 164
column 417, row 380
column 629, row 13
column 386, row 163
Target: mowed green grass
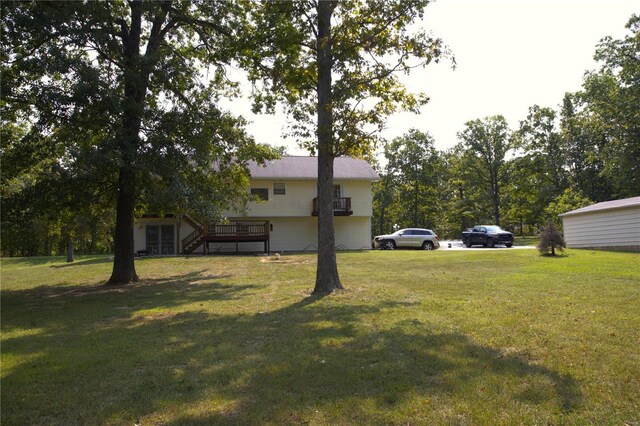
column 443, row 337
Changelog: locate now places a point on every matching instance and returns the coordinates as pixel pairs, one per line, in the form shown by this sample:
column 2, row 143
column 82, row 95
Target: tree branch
column 311, row 24
column 157, row 32
column 104, row 55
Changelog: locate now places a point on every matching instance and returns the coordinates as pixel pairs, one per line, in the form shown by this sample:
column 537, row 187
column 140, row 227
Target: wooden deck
column 235, row 232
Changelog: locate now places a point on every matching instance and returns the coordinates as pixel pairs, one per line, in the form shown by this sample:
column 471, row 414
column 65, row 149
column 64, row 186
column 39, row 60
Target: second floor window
column 262, row 193
column 337, row 191
column 279, row 188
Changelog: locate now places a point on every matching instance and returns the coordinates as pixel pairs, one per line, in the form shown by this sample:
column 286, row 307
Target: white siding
column 301, row 233
column 360, row 193
column 298, row 200
column 352, row 233
column 607, row 228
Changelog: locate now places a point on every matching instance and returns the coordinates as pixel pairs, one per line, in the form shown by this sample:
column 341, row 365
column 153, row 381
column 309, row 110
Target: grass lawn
column 442, row 337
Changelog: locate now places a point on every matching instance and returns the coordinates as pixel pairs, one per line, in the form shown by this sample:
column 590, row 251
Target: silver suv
column 424, row 239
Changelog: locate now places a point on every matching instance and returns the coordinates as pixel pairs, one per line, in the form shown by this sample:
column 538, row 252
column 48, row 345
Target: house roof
column 606, row 205
column 306, row 168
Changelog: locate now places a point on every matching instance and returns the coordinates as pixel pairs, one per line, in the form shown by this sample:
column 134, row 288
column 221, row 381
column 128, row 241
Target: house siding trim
column 617, row 229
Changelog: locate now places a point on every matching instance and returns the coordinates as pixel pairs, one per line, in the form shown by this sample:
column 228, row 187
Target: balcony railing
column 341, row 207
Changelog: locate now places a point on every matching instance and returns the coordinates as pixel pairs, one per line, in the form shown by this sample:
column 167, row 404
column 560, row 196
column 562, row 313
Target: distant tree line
column 75, row 135
column 555, row 161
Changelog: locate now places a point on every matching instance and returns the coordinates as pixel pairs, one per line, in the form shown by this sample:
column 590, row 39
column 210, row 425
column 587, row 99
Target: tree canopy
column 123, row 96
column 334, row 66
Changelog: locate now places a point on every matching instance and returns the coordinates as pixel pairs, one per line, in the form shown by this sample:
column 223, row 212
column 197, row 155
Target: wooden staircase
column 194, row 239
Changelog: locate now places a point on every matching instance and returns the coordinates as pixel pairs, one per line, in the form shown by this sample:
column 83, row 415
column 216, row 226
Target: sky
column 510, row 55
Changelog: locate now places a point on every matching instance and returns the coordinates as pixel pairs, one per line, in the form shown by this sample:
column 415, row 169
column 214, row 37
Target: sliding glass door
column 160, row 239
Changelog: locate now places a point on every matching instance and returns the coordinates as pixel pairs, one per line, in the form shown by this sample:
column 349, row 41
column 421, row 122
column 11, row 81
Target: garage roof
column 606, row 205
column 306, row 168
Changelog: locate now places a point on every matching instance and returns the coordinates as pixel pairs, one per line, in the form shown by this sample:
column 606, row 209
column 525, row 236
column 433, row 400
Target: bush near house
column 550, row 240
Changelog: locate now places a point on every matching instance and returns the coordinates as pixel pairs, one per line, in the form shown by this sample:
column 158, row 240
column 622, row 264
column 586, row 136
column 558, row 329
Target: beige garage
column 608, row 225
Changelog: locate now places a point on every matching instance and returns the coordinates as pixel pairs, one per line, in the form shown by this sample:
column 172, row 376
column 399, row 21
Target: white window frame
column 283, row 188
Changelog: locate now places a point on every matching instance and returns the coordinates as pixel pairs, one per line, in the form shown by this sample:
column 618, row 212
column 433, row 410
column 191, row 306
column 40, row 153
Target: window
column 261, row 193
column 160, row 239
column 337, row 191
column 279, row 188
column 153, row 239
column 166, row 239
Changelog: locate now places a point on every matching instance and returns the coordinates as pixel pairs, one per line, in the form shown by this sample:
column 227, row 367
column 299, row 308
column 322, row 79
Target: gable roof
column 606, row 205
column 306, row 168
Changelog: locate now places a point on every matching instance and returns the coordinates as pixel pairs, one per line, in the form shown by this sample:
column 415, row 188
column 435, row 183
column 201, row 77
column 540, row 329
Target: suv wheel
column 388, row 245
column 509, row 245
column 467, row 243
column 427, row 245
column 490, row 243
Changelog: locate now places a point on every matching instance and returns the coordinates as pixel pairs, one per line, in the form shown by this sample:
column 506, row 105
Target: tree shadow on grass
column 87, row 363
column 84, row 262
column 38, row 305
column 561, row 255
column 56, row 261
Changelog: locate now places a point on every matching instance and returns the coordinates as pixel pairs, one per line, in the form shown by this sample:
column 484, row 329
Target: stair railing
column 189, row 239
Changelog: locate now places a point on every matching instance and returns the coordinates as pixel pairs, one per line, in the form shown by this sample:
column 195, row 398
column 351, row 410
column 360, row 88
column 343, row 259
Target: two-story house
column 285, row 218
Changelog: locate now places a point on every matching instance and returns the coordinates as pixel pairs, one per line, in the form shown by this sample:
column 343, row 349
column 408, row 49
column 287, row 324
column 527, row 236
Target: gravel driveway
column 457, row 245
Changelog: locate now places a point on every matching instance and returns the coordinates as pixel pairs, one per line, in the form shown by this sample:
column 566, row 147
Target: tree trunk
column 327, row 279
column 48, row 244
column 496, row 202
column 415, row 205
column 70, row 248
column 136, row 79
column 92, row 244
column 124, row 271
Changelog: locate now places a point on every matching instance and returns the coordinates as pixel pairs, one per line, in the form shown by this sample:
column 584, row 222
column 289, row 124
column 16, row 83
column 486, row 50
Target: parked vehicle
column 487, row 236
column 418, row 238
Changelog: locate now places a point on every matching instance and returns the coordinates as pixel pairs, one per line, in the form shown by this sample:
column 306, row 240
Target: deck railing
column 244, row 229
column 341, row 206
column 191, row 238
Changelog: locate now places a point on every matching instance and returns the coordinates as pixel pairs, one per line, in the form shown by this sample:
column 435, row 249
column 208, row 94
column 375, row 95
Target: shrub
column 550, row 240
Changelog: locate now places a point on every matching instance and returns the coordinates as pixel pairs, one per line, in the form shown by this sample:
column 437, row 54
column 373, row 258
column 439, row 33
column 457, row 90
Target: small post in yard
column 70, row 249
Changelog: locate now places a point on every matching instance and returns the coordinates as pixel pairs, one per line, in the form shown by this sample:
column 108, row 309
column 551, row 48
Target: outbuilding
column 611, row 225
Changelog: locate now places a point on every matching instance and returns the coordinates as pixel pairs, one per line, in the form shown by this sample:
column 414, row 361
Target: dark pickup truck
column 487, row 236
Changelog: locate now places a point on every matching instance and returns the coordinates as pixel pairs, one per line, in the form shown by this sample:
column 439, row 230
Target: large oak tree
column 335, row 65
column 125, row 92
